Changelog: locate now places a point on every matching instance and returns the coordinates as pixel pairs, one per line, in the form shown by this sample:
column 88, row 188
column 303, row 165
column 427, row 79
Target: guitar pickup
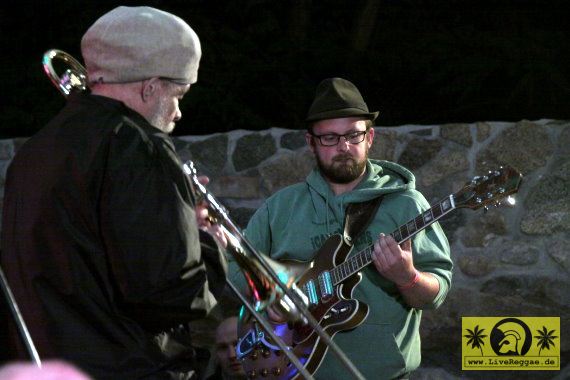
column 325, row 285
column 311, row 291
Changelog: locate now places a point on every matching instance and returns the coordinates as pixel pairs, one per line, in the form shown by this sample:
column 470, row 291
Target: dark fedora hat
column 335, row 98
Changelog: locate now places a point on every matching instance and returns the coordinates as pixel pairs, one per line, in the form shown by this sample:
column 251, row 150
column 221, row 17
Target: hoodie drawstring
column 327, row 215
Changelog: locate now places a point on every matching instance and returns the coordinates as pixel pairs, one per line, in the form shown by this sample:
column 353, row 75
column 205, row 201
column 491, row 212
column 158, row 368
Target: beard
column 343, row 168
column 160, row 117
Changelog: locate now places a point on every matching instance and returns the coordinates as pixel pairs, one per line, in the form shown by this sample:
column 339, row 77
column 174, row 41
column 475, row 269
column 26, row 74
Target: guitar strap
column 358, row 217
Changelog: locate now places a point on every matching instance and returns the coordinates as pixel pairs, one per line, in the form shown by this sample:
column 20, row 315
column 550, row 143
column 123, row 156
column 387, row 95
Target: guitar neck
column 358, row 261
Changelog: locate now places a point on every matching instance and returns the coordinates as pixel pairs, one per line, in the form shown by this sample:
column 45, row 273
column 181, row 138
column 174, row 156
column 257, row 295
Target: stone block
column 235, row 187
column 286, row 170
column 442, row 166
column 293, row 140
column 459, row 133
column 419, row 152
column 558, row 249
column 519, row 253
column 548, row 202
column 211, row 153
column 252, row 149
column 525, row 146
column 384, row 145
column 476, row 265
column 482, row 231
column 534, row 288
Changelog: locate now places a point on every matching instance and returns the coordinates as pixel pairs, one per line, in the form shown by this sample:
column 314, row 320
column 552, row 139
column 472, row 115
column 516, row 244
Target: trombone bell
column 72, row 79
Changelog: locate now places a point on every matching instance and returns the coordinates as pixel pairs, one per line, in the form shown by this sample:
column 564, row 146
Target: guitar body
column 334, row 312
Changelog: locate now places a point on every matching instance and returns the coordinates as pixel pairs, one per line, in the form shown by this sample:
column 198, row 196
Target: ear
column 370, row 137
column 310, row 141
column 149, row 88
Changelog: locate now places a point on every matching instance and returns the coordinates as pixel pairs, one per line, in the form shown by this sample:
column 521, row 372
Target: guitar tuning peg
column 485, row 209
column 511, row 201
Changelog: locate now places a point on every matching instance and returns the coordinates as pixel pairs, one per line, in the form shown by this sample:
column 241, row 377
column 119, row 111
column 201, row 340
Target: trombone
column 270, row 283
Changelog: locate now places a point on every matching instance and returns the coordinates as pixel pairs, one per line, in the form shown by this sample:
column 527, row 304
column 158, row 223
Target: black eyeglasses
column 333, row 139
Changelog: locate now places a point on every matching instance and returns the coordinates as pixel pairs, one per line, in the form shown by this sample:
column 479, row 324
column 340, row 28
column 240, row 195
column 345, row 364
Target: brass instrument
column 72, row 79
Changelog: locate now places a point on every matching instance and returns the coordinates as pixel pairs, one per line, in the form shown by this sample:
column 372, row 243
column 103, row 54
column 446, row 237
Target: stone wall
column 508, row 261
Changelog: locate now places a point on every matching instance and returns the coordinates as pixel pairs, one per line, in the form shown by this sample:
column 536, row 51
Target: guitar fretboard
column 361, row 259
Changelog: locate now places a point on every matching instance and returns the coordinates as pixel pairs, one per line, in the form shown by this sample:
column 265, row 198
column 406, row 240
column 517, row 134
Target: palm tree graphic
column 476, row 338
column 545, row 339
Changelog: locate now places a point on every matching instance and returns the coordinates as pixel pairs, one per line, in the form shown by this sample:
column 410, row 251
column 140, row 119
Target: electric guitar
column 328, row 282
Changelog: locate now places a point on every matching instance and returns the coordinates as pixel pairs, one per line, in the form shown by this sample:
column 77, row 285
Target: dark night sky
column 420, row 62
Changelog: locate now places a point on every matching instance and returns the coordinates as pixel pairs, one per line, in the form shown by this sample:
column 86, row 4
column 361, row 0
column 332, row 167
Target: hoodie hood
column 381, row 177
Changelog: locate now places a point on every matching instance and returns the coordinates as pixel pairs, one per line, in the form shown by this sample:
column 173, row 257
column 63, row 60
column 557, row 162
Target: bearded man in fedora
column 404, row 279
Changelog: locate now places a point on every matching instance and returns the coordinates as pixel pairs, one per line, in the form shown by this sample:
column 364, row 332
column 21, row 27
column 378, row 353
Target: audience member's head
column 50, row 370
column 226, row 340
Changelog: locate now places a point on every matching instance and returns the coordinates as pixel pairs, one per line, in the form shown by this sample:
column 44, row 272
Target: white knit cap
column 129, row 44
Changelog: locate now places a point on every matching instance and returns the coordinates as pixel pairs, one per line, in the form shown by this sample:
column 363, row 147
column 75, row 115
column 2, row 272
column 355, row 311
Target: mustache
column 343, row 157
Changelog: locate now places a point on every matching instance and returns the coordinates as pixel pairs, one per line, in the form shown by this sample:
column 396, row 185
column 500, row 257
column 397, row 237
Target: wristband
column 412, row 283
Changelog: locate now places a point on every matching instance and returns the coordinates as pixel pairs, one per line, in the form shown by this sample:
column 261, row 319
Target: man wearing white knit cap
column 101, row 241
column 145, row 58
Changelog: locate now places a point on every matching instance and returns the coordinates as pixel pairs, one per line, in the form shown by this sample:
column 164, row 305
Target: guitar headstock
column 489, row 189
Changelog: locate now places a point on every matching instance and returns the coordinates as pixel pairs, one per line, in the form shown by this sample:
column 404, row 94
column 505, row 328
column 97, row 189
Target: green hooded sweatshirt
column 296, row 221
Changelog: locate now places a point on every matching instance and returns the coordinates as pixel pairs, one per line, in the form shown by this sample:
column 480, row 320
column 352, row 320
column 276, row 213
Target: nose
column 343, row 144
column 177, row 115
column 231, row 351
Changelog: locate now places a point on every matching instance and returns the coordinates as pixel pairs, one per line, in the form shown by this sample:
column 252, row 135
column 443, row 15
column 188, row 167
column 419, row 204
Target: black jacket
column 100, row 243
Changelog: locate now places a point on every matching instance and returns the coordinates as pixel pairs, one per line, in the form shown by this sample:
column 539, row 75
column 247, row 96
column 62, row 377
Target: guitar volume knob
column 251, row 374
column 264, row 372
column 276, row 371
